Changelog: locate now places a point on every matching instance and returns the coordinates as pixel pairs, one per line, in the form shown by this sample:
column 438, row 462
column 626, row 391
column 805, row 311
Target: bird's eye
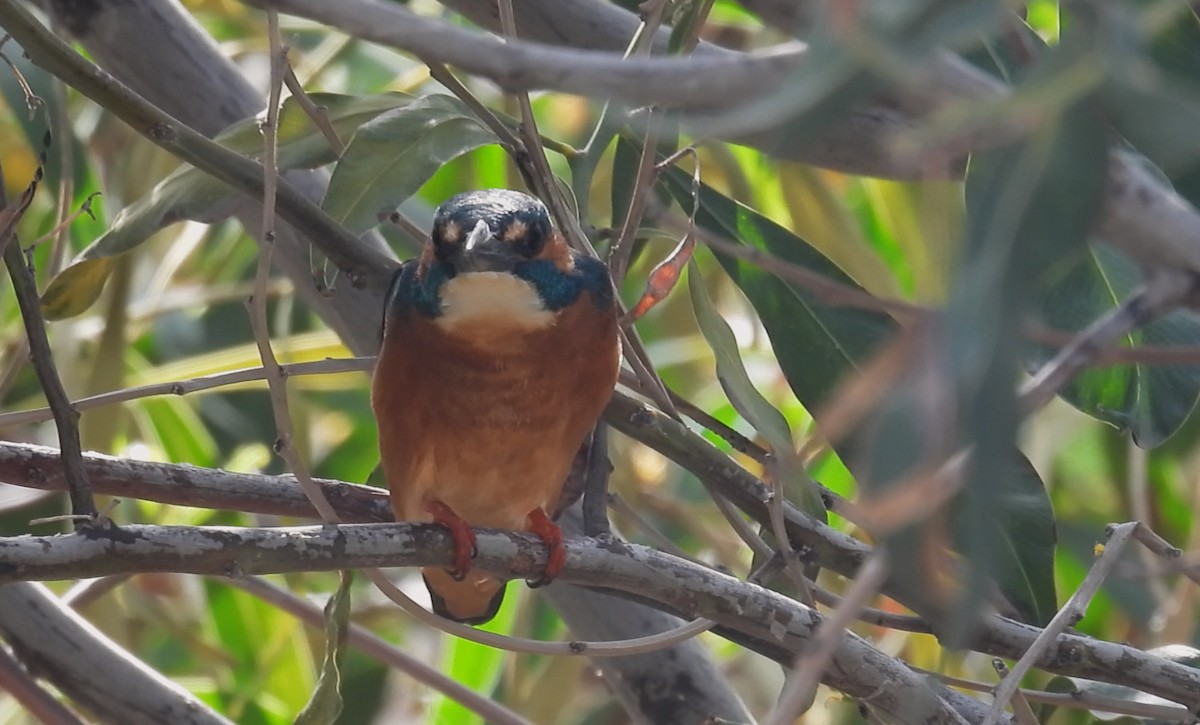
column 530, row 244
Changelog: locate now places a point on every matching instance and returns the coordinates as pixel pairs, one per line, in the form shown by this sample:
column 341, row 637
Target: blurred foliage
column 156, row 294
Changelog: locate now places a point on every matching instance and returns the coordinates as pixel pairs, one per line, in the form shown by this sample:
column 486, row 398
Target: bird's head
column 494, row 230
column 493, row 255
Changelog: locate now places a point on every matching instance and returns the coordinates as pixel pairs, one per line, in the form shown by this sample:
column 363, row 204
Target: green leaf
column 326, row 702
column 391, row 156
column 180, row 433
column 1150, row 401
column 816, row 345
column 1030, row 207
column 1023, row 532
column 475, row 665
column 76, row 288
column 750, row 404
column 189, row 193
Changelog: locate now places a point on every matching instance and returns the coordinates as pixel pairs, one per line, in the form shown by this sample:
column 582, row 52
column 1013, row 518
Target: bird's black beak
column 483, row 252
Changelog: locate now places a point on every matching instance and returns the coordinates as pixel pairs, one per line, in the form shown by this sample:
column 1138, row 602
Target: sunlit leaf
column 189, row 193
column 76, row 288
column 750, row 403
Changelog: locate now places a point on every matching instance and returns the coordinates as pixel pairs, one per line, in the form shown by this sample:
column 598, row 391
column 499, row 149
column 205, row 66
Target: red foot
column 538, row 523
column 460, row 530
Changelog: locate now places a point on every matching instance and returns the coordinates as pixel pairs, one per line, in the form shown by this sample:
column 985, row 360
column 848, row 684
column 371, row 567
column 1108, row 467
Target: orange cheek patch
column 557, row 251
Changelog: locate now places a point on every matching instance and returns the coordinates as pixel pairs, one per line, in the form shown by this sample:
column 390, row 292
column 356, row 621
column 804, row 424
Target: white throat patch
column 492, row 297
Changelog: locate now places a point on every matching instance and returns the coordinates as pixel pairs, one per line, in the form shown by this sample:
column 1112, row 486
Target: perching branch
column 857, row 668
column 516, row 555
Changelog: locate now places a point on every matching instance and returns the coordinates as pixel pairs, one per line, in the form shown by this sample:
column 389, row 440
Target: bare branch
column 66, row 418
column 858, row 669
column 41, row 468
column 34, row 698
column 705, row 81
column 1068, row 654
column 61, row 647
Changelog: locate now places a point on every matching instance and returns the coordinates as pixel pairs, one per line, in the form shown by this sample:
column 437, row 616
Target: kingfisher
column 500, row 350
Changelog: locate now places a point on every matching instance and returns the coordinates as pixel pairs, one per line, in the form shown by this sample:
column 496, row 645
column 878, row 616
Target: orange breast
column 489, row 423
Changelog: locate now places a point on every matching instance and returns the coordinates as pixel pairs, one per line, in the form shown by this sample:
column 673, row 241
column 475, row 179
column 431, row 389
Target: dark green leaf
column 1149, row 400
column 816, row 345
column 1030, row 206
column 391, row 156
column 1022, row 530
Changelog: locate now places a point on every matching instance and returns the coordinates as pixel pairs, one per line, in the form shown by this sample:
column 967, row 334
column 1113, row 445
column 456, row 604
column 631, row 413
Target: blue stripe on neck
column 560, row 289
column 557, row 289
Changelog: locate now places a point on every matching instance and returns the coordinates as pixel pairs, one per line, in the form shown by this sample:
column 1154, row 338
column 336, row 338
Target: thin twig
column 1162, row 292
column 595, row 487
column 66, row 417
column 542, row 176
column 1070, row 613
column 509, row 139
column 781, row 466
column 86, row 591
column 1138, row 475
column 1022, row 713
column 651, row 384
column 328, row 366
column 643, row 180
column 319, row 115
column 801, row 686
column 877, row 617
column 1077, row 700
column 276, row 385
column 67, row 218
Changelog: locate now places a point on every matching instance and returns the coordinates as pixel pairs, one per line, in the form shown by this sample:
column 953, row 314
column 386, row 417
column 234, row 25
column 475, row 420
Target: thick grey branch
column 40, row 467
column 857, row 668
column 60, row 646
column 705, row 81
column 1143, row 217
column 1070, row 655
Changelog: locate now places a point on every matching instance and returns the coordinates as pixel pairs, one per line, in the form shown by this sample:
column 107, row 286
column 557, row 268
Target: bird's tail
column 474, row 599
